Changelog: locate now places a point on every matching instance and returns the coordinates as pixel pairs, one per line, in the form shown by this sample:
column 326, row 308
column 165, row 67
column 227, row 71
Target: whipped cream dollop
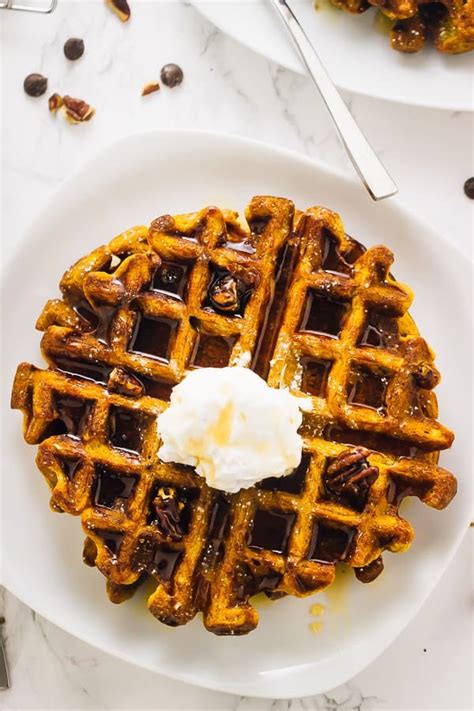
column 232, row 427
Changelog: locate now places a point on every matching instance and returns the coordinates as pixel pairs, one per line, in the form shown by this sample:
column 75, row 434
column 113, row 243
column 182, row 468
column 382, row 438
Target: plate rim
column 257, row 689
column 297, row 66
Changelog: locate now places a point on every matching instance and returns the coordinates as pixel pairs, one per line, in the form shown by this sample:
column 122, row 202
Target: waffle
column 449, row 24
column 305, row 306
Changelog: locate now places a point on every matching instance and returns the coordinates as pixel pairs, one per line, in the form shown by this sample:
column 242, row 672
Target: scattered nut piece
column 77, row 110
column 35, row 85
column 369, row 572
column 74, row 48
column 171, row 75
column 55, row 102
column 150, row 88
column 224, row 293
column 121, row 9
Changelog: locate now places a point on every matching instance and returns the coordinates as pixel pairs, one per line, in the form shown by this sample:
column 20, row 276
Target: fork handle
column 371, row 171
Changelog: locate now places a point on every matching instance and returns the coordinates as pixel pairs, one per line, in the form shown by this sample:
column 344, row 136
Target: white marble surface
column 226, row 88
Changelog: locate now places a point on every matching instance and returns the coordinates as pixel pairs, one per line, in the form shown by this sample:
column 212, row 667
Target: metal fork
column 370, row 169
column 12, row 5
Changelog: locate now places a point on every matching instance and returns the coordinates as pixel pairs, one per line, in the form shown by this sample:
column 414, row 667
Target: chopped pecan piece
column 77, row 110
column 121, row 9
column 122, row 382
column 228, row 292
column 167, row 509
column 150, row 88
column 224, row 293
column 55, row 102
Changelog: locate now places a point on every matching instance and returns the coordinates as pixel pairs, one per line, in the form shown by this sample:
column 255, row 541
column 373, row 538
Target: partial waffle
column 449, row 24
column 305, row 306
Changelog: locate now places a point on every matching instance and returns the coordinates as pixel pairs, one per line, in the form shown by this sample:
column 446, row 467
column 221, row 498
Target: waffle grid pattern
column 208, row 551
column 448, row 23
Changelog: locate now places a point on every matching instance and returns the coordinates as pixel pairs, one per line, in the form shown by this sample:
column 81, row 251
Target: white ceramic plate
column 355, row 51
column 131, row 182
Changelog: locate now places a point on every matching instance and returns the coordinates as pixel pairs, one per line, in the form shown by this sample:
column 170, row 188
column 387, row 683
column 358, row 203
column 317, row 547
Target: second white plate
column 355, row 51
column 132, row 182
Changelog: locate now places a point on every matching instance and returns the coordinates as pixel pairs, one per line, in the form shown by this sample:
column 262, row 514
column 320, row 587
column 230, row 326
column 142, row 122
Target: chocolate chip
column 469, row 188
column 35, row 85
column 74, row 48
column 171, row 75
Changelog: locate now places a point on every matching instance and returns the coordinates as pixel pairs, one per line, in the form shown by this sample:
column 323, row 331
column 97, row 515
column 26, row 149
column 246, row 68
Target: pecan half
column 121, row 9
column 167, row 509
column 349, row 477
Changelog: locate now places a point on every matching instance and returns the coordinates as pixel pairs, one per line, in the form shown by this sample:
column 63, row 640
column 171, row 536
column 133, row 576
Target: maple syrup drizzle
column 153, row 337
column 219, row 523
column 155, row 388
column 380, row 331
column 72, row 416
column 155, row 559
column 291, row 484
column 265, row 346
column 371, row 440
column 323, row 315
column 211, row 351
column 171, row 278
column 85, row 369
column 329, row 543
column 367, row 389
column 126, row 428
column 112, row 488
column 271, row 531
column 332, row 259
column 112, row 540
column 315, row 376
column 69, row 467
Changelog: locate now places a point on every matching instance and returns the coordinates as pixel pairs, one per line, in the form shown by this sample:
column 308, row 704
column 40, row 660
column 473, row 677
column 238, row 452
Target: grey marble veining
column 226, row 88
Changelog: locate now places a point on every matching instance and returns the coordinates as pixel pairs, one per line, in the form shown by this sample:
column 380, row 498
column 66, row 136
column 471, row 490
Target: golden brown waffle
column 306, row 307
column 448, row 23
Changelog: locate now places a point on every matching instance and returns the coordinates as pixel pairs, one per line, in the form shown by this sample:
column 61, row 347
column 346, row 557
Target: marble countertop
column 230, row 89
